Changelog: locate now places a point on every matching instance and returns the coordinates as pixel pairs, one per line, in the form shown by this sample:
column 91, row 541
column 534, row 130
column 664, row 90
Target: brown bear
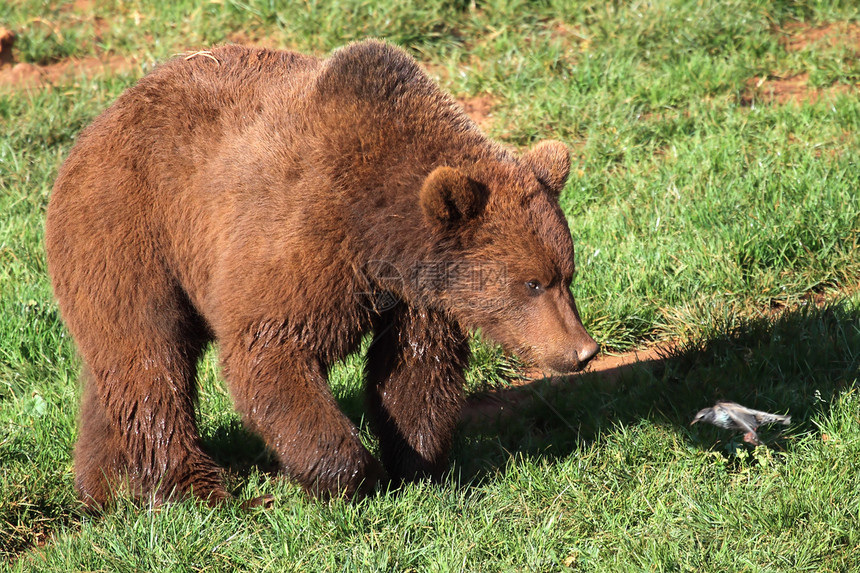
column 284, row 206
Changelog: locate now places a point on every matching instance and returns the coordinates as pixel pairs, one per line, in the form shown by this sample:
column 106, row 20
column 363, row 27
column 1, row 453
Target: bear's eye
column 534, row 286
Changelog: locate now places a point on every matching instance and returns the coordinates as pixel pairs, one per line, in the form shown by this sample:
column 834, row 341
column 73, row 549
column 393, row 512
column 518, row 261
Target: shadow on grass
column 797, row 363
column 238, row 451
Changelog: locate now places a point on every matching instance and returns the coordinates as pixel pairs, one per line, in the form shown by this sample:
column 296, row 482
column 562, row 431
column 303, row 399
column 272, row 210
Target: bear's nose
column 588, row 352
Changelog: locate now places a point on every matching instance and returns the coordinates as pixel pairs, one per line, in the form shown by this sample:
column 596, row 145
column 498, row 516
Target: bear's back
column 236, row 146
column 228, row 85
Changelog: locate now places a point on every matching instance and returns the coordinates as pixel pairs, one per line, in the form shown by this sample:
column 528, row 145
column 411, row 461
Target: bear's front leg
column 415, row 384
column 282, row 393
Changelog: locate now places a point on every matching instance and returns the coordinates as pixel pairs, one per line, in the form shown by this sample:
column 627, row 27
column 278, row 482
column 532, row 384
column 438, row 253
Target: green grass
column 696, row 214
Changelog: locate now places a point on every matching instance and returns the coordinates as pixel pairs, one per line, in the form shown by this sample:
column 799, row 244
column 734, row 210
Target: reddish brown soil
column 799, row 36
column 791, row 89
column 28, row 76
column 572, row 37
column 24, row 75
column 256, row 41
column 479, row 108
column 794, row 88
column 499, row 403
column 83, row 6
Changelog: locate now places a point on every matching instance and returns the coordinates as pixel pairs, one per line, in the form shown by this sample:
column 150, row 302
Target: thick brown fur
column 284, row 206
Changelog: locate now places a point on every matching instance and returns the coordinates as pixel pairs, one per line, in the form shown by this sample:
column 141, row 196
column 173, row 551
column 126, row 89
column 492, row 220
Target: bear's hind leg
column 138, row 428
column 415, row 384
column 99, row 456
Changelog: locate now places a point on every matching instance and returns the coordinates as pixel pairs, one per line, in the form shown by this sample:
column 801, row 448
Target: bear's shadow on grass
column 797, row 364
column 239, row 451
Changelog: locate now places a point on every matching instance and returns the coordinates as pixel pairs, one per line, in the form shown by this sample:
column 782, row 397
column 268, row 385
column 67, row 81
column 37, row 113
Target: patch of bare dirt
column 499, row 403
column 83, row 5
column 479, row 108
column 25, row 75
column 608, row 365
column 30, row 76
column 798, row 36
column 572, row 36
column 253, row 40
column 781, row 89
column 789, row 89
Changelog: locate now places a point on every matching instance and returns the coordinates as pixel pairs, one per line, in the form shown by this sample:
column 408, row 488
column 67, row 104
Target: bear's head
column 509, row 254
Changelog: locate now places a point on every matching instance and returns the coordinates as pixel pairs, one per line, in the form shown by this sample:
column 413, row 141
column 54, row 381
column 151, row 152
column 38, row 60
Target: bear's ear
column 550, row 162
column 448, row 195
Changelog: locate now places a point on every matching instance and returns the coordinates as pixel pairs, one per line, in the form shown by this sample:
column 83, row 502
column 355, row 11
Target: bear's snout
column 555, row 336
column 588, row 351
column 575, row 359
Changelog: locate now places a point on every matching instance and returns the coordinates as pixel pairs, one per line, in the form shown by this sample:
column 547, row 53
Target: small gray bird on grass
column 732, row 416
